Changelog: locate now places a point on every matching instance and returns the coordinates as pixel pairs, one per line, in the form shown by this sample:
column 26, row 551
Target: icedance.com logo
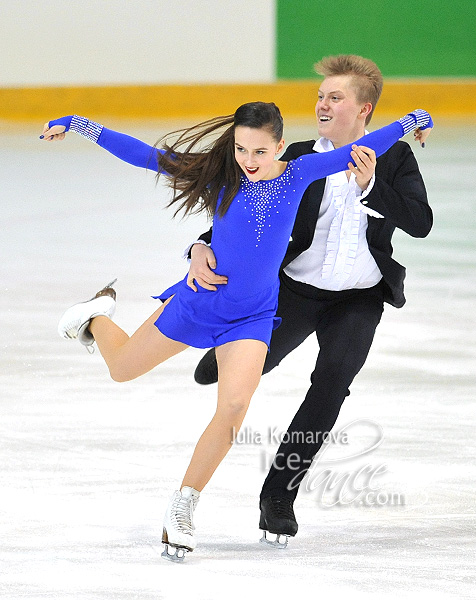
column 359, row 484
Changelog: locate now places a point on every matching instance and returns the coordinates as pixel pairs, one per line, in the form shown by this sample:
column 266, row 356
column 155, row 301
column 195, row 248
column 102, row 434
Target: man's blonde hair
column 366, row 76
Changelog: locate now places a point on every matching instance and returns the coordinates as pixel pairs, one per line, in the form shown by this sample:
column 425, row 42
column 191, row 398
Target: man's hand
column 364, row 167
column 201, row 264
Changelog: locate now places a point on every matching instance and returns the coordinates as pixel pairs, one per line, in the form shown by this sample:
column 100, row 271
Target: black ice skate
column 277, row 517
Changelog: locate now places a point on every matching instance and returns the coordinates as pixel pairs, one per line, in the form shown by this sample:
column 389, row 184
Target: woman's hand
column 421, row 135
column 56, row 129
column 56, row 133
column 201, row 264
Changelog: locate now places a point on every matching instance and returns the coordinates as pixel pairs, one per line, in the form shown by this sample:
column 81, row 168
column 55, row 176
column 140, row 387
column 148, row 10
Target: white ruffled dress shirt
column 339, row 257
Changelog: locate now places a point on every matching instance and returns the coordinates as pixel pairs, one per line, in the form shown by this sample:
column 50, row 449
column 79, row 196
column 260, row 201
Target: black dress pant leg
column 345, row 326
column 298, row 315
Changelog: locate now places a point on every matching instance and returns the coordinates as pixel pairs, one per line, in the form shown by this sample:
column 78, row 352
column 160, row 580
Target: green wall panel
column 429, row 38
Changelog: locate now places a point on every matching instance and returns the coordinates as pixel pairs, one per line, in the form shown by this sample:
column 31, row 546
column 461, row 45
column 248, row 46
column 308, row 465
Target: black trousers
column 345, row 324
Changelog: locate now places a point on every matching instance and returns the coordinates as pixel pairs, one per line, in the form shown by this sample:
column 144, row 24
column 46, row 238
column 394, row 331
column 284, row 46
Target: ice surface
column 87, row 465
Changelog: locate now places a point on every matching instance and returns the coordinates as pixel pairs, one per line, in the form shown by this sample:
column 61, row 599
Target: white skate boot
column 178, row 524
column 75, row 321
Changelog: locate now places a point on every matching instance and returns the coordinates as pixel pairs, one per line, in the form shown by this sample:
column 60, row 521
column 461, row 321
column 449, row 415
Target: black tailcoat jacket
column 398, row 194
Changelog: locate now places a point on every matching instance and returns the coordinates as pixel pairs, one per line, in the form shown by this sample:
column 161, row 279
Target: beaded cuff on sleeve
column 86, row 128
column 419, row 118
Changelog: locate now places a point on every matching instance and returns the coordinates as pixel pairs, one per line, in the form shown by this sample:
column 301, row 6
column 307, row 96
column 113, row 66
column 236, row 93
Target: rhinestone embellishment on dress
column 264, row 198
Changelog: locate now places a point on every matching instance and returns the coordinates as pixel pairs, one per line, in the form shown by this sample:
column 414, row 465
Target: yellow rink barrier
column 441, row 97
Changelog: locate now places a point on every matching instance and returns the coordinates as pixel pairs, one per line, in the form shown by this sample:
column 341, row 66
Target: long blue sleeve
column 320, row 165
column 129, row 149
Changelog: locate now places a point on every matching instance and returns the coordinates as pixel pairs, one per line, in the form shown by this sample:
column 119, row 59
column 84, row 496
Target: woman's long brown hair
column 203, row 173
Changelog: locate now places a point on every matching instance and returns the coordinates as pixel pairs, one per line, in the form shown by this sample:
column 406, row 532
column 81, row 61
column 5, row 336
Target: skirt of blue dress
column 206, row 319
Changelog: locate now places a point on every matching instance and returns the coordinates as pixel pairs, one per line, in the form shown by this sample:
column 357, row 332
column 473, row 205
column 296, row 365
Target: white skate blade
column 178, row 553
column 276, row 543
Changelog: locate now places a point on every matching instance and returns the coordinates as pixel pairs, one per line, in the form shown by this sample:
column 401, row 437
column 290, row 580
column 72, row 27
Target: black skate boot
column 207, row 369
column 277, row 516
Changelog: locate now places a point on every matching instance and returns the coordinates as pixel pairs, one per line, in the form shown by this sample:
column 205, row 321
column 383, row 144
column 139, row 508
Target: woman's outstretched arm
column 125, row 147
column 320, row 165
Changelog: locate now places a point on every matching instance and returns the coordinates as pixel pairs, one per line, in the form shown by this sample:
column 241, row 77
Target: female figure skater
column 253, row 200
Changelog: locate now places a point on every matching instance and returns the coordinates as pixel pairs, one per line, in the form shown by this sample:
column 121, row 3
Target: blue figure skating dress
column 249, row 241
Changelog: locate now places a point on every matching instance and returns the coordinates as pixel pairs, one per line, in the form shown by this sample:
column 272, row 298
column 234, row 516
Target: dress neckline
column 247, row 181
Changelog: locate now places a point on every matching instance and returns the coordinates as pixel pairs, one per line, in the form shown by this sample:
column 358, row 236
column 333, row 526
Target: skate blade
column 99, row 294
column 110, row 284
column 177, row 555
column 276, row 543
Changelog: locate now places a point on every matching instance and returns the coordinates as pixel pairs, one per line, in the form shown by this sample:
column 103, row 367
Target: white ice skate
column 75, row 321
column 178, row 524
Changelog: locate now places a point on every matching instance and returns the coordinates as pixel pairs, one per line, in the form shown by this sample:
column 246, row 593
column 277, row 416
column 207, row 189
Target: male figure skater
column 337, row 272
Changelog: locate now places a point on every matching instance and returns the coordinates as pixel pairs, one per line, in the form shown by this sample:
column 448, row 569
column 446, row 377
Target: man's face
column 340, row 117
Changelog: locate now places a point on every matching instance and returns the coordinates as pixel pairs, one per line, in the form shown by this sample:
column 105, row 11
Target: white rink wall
column 102, row 42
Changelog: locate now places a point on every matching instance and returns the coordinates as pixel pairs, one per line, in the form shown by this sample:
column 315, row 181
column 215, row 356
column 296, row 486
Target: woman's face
column 255, row 151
